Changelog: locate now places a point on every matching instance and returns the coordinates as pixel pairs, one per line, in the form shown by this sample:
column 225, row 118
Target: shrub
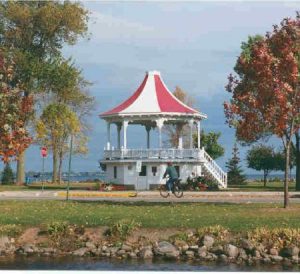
column 64, row 235
column 7, row 175
column 220, row 233
column 277, row 237
column 122, row 229
column 10, row 230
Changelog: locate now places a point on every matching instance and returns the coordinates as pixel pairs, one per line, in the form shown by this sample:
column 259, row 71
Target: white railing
column 213, row 168
column 154, row 154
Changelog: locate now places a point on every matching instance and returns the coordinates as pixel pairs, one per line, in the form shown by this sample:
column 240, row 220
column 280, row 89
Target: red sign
column 44, row 152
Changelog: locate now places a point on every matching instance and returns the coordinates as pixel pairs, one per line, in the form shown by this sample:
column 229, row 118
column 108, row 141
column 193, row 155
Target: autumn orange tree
column 265, row 90
column 14, row 108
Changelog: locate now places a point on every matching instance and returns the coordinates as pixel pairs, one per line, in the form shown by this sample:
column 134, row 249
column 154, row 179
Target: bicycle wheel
column 178, row 192
column 163, row 191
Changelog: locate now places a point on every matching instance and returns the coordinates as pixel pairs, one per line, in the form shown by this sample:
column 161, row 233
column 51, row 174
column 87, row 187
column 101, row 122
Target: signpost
column 44, row 154
column 69, row 172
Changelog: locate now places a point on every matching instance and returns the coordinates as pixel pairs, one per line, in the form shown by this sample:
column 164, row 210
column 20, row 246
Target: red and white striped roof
column 152, row 97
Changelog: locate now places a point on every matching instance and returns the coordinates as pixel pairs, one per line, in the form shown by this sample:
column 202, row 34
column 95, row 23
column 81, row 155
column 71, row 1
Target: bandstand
column 153, row 106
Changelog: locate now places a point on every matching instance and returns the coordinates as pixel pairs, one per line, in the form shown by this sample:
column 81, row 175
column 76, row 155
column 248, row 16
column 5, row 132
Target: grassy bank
column 259, row 186
column 234, row 217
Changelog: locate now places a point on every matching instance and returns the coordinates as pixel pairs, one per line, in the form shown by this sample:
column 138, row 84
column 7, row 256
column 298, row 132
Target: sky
column 193, row 44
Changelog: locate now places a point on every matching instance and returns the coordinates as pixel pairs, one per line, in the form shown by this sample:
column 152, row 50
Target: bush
column 7, row 175
column 277, row 237
column 122, row 229
column 220, row 233
column 63, row 235
column 10, row 230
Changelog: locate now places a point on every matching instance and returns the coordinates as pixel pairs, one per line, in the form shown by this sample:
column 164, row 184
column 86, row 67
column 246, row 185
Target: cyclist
column 173, row 176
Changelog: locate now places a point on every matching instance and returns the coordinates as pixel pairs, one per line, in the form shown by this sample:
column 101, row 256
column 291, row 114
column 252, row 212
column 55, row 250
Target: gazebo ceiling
column 152, row 99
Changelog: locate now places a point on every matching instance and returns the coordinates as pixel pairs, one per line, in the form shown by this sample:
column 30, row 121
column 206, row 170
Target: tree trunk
column 265, row 178
column 286, row 173
column 60, row 167
column 21, row 168
column 54, row 171
column 297, row 150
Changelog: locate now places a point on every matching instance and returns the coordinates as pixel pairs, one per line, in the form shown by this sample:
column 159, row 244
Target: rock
column 185, row 247
column 287, row 262
column 190, row 254
column 266, row 260
column 246, row 244
column 126, row 247
column 146, row 253
column 276, row 258
column 273, row 251
column 166, row 249
column 289, row 251
column 133, row 255
column 202, row 251
column 208, row 241
column 242, row 254
column 104, row 248
column 217, row 250
column 223, row 258
column 49, row 250
column 121, row 252
column 4, row 241
column 295, row 259
column 28, row 249
column 80, row 252
column 194, row 247
column 90, row 245
column 257, row 254
column 231, row 250
column 113, row 250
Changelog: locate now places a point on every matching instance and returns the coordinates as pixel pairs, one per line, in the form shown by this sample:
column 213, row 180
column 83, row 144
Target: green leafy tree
column 235, row 174
column 7, row 175
column 34, row 32
column 55, row 126
column 210, row 142
column 264, row 158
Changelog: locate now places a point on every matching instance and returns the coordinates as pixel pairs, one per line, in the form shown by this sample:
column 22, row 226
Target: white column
column 159, row 124
column 191, row 124
column 199, row 134
column 180, row 142
column 108, row 136
column 148, row 128
column 125, row 124
column 119, row 127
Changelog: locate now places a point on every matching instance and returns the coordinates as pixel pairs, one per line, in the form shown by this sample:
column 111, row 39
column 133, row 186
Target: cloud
column 108, row 28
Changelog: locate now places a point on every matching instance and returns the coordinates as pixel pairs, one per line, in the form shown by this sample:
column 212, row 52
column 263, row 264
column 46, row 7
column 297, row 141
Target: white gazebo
column 153, row 106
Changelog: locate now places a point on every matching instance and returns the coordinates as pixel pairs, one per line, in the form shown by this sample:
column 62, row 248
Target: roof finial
column 153, row 72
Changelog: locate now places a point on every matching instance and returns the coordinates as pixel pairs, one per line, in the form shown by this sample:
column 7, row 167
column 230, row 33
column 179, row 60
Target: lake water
column 74, row 263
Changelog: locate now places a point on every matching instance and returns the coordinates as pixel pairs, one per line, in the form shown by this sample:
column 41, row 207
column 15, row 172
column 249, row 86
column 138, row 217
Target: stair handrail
column 218, row 170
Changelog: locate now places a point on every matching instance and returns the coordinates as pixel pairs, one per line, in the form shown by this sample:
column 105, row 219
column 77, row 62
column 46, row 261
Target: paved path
column 153, row 196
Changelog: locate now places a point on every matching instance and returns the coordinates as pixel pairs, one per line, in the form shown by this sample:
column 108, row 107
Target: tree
column 264, row 158
column 34, row 32
column 55, row 126
column 7, row 175
column 265, row 92
column 234, row 171
column 209, row 141
column 174, row 132
column 14, row 107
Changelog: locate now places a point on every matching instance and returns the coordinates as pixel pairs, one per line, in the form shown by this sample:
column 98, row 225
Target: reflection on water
column 74, row 263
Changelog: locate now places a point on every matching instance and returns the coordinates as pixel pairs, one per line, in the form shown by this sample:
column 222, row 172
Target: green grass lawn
column 259, row 186
column 234, row 217
column 49, row 186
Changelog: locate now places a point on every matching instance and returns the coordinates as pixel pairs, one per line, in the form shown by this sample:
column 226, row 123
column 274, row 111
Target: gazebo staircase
column 212, row 170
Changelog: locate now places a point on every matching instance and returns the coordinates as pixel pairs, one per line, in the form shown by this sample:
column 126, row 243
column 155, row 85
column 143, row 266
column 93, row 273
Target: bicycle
column 177, row 190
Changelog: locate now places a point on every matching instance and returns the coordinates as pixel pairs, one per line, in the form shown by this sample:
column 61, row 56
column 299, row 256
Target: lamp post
column 70, row 162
